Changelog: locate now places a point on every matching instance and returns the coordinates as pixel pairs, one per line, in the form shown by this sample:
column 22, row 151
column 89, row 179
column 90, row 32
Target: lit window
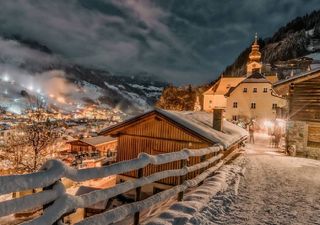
column 253, row 105
column 265, row 90
column 254, row 90
column 235, row 105
column 245, row 90
column 274, row 106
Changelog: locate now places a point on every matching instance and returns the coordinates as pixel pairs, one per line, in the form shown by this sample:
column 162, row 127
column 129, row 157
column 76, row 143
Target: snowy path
column 275, row 189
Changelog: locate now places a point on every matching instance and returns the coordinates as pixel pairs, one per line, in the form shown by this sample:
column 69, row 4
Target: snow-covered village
column 159, row 112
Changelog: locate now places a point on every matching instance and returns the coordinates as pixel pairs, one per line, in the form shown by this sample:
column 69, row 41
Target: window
column 245, row 90
column 274, row 106
column 210, row 103
column 254, row 90
column 235, row 105
column 265, row 90
column 234, row 118
column 253, row 105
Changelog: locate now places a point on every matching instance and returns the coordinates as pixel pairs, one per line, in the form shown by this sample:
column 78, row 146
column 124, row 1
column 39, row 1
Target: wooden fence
column 58, row 203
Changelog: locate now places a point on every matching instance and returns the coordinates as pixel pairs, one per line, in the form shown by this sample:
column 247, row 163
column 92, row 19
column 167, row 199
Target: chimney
column 217, row 119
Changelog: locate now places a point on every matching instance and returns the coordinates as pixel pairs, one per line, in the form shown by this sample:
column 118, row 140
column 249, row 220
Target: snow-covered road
column 274, row 189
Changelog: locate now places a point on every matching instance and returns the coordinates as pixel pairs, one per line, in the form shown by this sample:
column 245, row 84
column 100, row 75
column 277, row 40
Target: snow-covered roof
column 301, row 75
column 94, row 141
column 256, row 77
column 223, row 85
column 196, row 122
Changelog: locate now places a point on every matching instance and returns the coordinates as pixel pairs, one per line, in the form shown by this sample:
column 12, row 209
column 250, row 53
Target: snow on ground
column 275, row 189
column 263, row 186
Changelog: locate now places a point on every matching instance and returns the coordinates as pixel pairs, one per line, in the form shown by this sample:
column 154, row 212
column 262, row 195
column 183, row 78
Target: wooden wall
column 157, row 136
column 305, row 101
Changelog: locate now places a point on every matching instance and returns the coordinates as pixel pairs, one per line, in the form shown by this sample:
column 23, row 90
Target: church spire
column 255, row 54
column 256, row 38
column 254, row 62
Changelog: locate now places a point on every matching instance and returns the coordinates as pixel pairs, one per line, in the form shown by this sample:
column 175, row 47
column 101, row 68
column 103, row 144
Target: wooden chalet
column 303, row 122
column 160, row 131
column 100, row 146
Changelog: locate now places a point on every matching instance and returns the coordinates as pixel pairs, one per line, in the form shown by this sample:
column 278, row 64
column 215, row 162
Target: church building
column 253, row 98
column 215, row 96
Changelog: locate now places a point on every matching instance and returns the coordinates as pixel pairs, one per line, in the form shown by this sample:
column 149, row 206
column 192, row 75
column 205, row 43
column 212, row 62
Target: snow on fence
column 59, row 203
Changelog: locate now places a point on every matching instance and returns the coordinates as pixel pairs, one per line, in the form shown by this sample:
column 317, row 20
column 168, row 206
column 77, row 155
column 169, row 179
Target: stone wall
column 298, row 137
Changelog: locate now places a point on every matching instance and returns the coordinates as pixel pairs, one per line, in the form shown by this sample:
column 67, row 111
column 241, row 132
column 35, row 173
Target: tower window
column 265, row 90
column 235, row 105
column 253, row 105
column 245, row 90
column 274, row 106
column 254, row 90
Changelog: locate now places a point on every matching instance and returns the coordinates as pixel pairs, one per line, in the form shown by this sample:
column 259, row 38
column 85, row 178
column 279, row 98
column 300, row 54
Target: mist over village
column 159, row 112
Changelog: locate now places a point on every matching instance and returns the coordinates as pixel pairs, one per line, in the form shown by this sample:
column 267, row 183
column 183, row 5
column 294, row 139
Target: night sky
column 183, row 41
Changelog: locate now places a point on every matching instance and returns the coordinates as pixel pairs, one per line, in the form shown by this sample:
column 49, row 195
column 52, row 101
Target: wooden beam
column 138, row 198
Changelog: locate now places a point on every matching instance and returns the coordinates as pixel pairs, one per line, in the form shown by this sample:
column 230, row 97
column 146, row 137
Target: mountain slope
column 30, row 67
column 298, row 38
column 295, row 47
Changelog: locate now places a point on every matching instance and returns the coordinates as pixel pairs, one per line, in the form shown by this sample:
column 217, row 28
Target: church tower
column 254, row 62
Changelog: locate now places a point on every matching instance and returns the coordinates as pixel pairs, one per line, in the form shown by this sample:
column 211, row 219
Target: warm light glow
column 61, row 100
column 268, row 123
column 6, row 78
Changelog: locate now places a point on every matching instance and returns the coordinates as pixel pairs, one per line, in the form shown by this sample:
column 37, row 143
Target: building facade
column 253, row 99
column 214, row 97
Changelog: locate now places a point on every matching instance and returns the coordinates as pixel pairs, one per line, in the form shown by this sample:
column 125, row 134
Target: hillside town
column 241, row 149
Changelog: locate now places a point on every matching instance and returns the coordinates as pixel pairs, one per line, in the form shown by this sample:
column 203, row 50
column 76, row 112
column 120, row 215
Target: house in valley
column 303, row 121
column 93, row 151
column 161, row 131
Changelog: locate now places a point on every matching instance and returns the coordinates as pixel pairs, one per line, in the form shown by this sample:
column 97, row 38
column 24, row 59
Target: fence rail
column 60, row 203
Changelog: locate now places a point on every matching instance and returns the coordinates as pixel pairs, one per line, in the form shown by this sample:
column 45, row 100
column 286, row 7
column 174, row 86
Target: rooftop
column 94, row 141
column 256, row 77
column 199, row 123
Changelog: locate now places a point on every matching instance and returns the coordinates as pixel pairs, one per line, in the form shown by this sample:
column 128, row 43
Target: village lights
column 281, row 123
column 268, row 123
column 6, row 78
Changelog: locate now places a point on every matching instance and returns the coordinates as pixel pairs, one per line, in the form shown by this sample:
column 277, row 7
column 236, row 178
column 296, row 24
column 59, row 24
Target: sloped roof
column 297, row 77
column 222, row 86
column 199, row 123
column 94, row 141
column 282, row 86
column 256, row 77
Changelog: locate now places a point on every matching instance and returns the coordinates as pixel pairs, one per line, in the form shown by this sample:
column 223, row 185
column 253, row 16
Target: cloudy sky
column 183, row 41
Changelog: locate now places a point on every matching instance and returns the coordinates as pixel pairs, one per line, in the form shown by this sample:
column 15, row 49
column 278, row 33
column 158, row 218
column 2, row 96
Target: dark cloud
column 184, row 41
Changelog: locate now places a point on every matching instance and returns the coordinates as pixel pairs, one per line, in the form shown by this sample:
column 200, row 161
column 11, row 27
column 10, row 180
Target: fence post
column 50, row 203
column 138, row 198
column 182, row 178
